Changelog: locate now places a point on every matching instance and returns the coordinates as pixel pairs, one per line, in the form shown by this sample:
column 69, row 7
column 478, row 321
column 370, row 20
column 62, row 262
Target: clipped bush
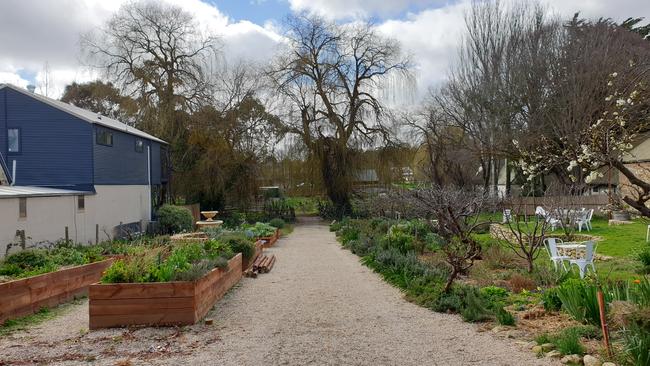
column 277, row 223
column 240, row 244
column 174, row 219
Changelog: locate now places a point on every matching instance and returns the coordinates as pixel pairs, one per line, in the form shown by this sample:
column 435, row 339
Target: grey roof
column 29, row 191
column 85, row 115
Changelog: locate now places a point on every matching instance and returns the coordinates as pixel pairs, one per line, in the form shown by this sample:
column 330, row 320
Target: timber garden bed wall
column 247, row 263
column 270, row 240
column 28, row 295
column 163, row 303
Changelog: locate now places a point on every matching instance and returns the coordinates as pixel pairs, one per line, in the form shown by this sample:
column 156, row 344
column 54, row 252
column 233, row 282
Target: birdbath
column 209, row 215
column 209, row 220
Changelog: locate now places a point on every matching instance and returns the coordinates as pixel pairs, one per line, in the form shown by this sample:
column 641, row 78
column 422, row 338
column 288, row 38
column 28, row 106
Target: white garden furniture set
column 578, row 254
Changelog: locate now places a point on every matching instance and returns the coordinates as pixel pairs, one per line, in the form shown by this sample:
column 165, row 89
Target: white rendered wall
column 47, row 217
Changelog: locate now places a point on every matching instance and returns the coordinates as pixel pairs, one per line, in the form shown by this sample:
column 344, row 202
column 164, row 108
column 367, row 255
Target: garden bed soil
column 28, row 295
column 162, row 303
column 259, row 247
column 269, row 241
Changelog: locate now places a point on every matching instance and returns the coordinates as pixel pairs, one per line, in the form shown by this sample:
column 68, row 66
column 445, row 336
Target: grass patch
column 13, row 325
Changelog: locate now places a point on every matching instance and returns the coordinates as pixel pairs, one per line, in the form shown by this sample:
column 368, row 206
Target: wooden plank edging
column 27, row 295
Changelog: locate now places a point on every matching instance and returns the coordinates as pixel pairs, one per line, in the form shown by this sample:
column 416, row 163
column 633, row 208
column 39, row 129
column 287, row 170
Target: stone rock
column 572, row 359
column 609, row 364
column 590, row 360
column 546, row 347
column 498, row 329
column 537, row 349
column 531, row 344
column 554, row 354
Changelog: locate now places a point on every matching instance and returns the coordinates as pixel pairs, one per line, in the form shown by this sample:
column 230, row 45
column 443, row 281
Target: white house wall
column 47, row 217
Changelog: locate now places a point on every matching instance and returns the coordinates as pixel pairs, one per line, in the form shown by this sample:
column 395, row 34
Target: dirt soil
column 318, row 306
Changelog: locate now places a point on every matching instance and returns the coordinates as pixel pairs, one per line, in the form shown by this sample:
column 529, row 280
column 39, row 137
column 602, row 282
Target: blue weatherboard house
column 52, row 152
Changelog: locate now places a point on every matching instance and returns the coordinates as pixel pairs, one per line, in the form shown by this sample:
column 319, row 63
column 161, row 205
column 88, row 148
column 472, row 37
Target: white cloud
column 33, row 32
column 346, row 9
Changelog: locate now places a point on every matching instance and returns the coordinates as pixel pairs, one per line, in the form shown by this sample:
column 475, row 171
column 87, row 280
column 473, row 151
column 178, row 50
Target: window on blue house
column 139, row 146
column 104, row 138
column 13, row 140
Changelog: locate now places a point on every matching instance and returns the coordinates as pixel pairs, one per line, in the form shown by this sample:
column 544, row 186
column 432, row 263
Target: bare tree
column 330, row 76
column 457, row 217
column 155, row 52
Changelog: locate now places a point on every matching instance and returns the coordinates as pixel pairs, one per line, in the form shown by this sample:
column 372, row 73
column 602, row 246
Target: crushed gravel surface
column 318, row 306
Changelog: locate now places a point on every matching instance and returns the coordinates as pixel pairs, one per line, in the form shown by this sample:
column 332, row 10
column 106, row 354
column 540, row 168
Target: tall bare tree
column 331, row 76
column 155, row 52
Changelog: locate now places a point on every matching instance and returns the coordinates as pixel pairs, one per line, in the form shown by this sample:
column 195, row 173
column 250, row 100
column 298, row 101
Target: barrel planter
column 270, row 240
column 247, row 263
column 28, row 295
column 161, row 303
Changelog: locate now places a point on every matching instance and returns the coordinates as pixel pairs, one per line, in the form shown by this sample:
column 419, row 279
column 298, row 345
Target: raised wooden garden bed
column 259, row 247
column 270, row 240
column 163, row 303
column 28, row 295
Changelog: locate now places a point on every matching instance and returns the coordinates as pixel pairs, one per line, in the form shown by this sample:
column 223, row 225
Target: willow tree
column 331, row 77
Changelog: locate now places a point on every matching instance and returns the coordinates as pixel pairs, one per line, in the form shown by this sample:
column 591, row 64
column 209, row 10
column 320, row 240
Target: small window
column 139, row 146
column 22, row 207
column 13, row 140
column 81, row 203
column 104, row 138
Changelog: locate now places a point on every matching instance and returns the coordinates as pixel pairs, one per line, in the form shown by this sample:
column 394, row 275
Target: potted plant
column 617, row 210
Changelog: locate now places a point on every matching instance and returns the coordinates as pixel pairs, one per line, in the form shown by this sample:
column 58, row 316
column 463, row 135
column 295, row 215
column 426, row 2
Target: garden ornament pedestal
column 209, row 220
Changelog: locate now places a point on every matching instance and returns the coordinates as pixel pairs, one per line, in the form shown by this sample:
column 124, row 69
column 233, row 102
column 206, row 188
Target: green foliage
column 240, row 244
column 175, row 219
column 543, row 338
column 399, row 240
column 281, row 209
column 28, row 259
column 568, row 342
column 304, row 205
column 579, row 299
column 637, row 338
column 218, row 248
column 123, row 271
column 504, row 317
column 277, row 223
column 643, row 257
column 495, row 294
column 260, row 229
column 551, row 300
column 476, row 308
column 199, row 269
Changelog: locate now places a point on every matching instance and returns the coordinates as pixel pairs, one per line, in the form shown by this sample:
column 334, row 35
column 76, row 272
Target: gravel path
column 318, row 306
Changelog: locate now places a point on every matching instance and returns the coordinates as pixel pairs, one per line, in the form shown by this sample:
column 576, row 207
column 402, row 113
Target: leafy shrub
column 174, row 219
column 504, row 317
column 240, row 244
column 215, row 249
column 494, row 294
column 122, row 271
column 399, row 240
column 568, row 342
column 551, row 300
column 199, row 269
column 28, row 259
column 277, row 223
column 233, row 219
column 280, row 208
column 579, row 299
column 433, row 242
column 260, row 229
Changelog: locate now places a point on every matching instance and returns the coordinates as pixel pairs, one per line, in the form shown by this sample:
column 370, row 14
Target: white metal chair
column 551, row 248
column 588, row 260
column 548, row 217
column 585, row 220
column 507, row 216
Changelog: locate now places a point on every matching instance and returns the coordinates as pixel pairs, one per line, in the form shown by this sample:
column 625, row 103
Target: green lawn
column 621, row 242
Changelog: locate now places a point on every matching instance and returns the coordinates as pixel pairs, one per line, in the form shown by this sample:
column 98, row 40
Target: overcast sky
column 36, row 32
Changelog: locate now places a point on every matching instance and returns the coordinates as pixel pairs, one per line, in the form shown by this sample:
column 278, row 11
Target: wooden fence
column 527, row 205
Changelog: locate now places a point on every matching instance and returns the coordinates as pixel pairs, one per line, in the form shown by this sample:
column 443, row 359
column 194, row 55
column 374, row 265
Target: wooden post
column 96, row 233
column 603, row 322
column 67, row 237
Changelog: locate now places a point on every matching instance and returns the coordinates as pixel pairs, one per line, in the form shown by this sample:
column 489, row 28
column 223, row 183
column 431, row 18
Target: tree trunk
column 335, row 169
column 508, row 179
